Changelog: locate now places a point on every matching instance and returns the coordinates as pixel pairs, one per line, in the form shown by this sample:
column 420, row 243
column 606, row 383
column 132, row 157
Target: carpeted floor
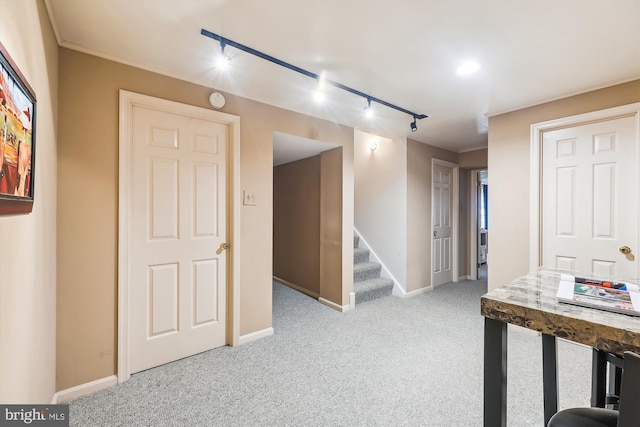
column 390, row 362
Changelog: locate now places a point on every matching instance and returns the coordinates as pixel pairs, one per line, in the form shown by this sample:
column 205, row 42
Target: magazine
column 618, row 297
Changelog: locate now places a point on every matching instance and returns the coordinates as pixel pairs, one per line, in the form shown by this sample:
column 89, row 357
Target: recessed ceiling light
column 468, row 68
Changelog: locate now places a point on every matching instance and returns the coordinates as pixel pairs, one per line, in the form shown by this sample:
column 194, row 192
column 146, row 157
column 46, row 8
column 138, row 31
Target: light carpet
column 390, row 362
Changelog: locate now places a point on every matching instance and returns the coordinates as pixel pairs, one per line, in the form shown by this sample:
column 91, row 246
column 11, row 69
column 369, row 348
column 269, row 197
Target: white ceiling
column 401, row 51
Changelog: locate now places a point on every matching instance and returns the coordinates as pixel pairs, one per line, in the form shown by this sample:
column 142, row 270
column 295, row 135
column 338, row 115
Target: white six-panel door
column 442, row 196
column 177, row 286
column 590, row 198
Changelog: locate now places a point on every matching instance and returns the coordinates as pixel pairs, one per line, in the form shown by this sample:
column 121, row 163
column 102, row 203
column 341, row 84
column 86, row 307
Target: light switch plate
column 248, row 199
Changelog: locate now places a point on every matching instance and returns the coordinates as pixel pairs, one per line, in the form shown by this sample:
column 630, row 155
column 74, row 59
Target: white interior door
column 442, row 191
column 178, row 224
column 590, row 198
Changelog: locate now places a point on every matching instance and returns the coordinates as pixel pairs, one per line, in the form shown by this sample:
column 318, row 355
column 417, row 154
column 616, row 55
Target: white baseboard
column 84, row 389
column 331, row 304
column 352, row 300
column 254, row 336
column 414, row 293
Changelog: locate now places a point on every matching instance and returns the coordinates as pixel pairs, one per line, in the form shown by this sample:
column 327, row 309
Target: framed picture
column 17, row 138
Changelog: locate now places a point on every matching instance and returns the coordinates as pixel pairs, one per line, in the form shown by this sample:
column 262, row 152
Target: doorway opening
column 479, row 225
column 307, row 213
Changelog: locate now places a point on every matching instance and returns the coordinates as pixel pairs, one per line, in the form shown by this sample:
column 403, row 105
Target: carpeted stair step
column 367, row 283
column 371, row 289
column 365, row 271
column 360, row 255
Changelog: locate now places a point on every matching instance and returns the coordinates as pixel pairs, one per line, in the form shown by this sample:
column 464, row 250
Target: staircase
column 367, row 283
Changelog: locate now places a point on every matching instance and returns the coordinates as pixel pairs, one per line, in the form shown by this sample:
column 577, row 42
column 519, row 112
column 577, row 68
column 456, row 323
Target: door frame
column 473, row 224
column 127, row 101
column 535, row 180
column 454, row 217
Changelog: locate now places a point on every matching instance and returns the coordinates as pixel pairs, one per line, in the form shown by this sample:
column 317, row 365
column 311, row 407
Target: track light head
column 414, row 125
column 222, row 61
column 368, row 111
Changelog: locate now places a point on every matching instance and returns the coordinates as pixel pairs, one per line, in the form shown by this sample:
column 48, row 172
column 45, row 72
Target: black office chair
column 628, row 413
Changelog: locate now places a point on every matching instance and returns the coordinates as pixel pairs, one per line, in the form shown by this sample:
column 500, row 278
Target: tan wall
column 476, row 159
column 381, row 199
column 419, row 157
column 307, row 225
column 296, row 224
column 331, row 208
column 464, row 215
column 348, row 215
column 28, row 242
column 88, row 203
column 509, row 196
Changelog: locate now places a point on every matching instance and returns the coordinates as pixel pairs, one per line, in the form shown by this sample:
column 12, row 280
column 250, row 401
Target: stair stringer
column 398, row 289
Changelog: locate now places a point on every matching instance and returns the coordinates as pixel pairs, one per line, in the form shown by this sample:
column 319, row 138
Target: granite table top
column 530, row 301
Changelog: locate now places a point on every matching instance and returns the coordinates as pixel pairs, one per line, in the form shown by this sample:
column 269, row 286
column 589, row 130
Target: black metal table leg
column 598, row 378
column 495, row 373
column 549, row 376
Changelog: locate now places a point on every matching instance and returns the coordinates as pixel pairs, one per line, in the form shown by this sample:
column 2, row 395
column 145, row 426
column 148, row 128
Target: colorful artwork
column 17, row 119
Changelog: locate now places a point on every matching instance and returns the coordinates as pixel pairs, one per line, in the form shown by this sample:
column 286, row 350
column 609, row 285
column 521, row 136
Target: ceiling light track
column 227, row 42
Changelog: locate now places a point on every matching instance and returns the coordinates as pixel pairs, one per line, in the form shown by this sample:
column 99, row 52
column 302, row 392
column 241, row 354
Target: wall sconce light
column 373, row 146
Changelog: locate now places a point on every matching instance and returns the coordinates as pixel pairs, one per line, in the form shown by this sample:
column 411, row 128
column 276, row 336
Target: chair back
column 629, row 408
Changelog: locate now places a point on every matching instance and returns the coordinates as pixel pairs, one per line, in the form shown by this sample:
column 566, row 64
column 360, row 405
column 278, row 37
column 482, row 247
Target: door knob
column 625, row 250
column 223, row 246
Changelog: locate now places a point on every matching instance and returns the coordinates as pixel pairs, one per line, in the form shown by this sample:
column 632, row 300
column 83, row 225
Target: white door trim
column 454, row 221
column 127, row 101
column 473, row 225
column 535, row 187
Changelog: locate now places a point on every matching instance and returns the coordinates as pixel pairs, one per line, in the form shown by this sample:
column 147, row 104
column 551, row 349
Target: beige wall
column 88, row 203
column 381, row 199
column 419, row 157
column 296, row 224
column 476, row 159
column 464, row 216
column 28, row 242
column 509, row 196
column 331, row 228
column 348, row 217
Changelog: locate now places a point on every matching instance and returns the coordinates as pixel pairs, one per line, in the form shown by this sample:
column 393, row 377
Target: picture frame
column 17, row 138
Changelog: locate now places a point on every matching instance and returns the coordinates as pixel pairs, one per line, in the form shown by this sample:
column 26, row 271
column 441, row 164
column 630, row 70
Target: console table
column 530, row 301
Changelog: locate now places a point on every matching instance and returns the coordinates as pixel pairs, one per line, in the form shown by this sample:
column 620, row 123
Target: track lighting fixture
column 321, row 80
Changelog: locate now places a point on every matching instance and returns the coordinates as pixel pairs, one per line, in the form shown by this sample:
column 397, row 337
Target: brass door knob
column 625, row 250
column 223, row 246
